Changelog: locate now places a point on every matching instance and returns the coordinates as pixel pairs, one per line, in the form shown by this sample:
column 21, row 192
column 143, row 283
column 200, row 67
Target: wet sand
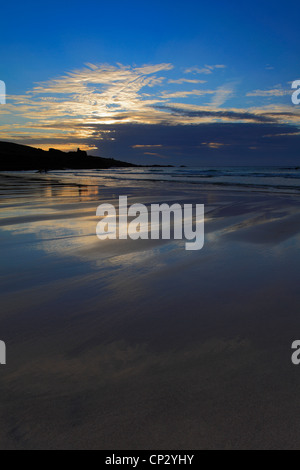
column 143, row 345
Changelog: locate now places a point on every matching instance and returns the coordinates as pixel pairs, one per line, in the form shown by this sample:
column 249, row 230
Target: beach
column 124, row 344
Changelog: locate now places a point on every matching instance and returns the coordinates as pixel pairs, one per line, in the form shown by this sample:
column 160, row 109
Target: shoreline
column 185, row 180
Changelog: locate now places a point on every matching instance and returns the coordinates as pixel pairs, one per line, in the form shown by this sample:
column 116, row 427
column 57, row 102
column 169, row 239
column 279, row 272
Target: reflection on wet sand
column 127, row 345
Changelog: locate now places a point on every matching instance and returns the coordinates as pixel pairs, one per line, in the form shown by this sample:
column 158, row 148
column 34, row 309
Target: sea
column 268, row 179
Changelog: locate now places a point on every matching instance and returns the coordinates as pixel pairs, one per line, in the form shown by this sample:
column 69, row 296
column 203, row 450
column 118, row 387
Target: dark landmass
column 15, row 157
column 156, row 166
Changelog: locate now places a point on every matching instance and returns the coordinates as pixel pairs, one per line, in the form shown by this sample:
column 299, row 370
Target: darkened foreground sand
column 143, row 345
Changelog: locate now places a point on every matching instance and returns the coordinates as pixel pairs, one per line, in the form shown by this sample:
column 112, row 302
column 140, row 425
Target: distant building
column 82, row 153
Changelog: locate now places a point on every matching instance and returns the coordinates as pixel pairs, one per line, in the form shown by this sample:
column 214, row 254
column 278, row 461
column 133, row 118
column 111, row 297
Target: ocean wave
column 259, row 179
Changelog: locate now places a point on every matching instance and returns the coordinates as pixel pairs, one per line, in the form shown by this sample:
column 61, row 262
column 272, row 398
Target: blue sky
column 210, row 58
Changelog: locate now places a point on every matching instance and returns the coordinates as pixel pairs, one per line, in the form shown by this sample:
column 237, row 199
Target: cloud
column 197, row 70
column 103, row 74
column 207, row 69
column 214, row 145
column 180, row 81
column 223, row 94
column 225, row 115
column 145, row 146
column 184, row 94
column 216, row 66
column 275, row 92
column 96, row 93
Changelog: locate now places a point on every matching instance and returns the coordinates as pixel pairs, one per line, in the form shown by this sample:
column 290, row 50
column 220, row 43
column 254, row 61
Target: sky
column 160, row 82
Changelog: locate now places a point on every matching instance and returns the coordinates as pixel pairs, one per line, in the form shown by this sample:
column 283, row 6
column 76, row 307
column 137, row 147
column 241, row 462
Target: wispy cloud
column 145, row 146
column 223, row 94
column 274, row 92
column 210, row 114
column 207, row 69
column 184, row 94
column 180, row 81
column 215, row 145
